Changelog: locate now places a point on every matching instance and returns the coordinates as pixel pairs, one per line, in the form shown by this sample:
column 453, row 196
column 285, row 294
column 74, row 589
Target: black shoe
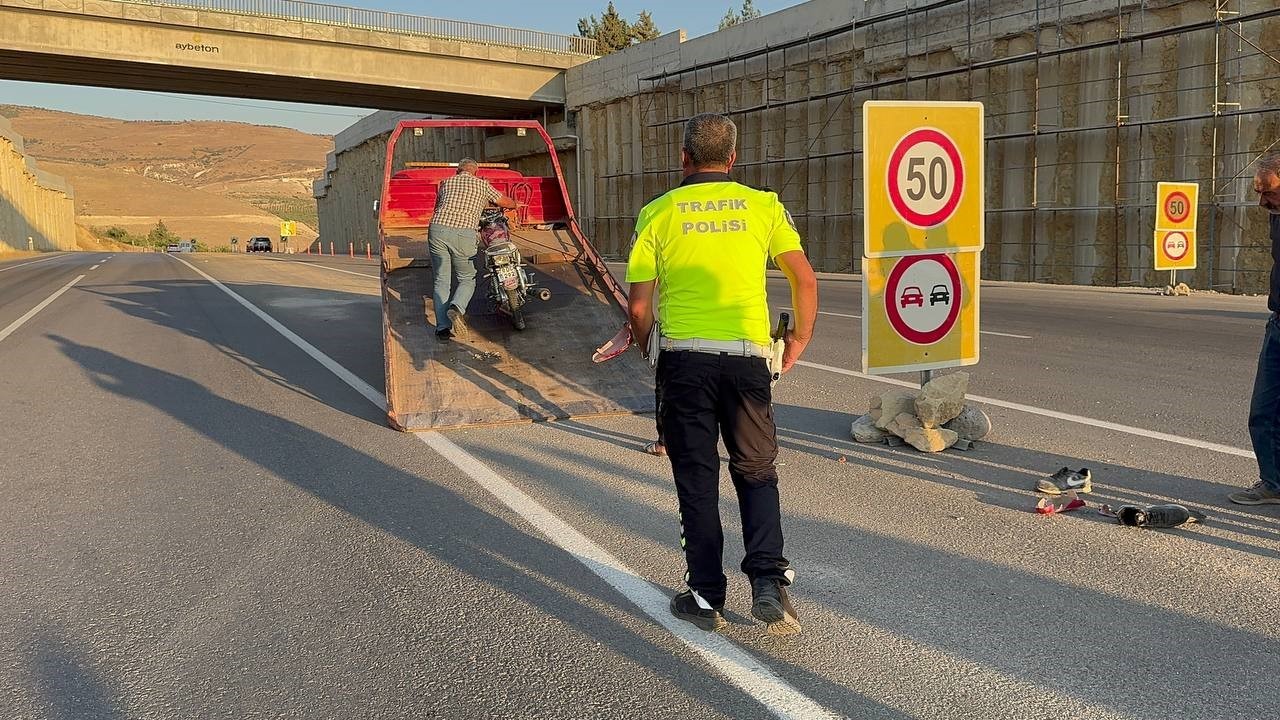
column 444, row 333
column 770, row 604
column 686, row 607
column 459, row 328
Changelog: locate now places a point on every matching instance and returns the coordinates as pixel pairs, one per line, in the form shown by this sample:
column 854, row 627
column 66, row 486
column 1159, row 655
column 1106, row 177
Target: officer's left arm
column 804, row 299
column 640, row 311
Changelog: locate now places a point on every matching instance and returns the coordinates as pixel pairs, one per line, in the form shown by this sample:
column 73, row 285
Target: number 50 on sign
column 922, row 169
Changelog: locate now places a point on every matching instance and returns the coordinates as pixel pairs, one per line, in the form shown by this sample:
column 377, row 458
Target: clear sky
column 696, row 17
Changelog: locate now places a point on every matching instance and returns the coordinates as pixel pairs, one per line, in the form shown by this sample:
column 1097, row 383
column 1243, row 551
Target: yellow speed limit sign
column 1176, row 205
column 288, row 228
column 922, row 165
column 919, row 312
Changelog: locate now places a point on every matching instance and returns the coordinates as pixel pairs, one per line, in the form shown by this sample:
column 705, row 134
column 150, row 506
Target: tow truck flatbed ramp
column 501, row 375
column 496, row 374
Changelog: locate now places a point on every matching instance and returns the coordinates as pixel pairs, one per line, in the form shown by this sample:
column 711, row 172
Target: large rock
column 941, row 399
column 875, row 403
column 865, row 431
column 894, row 403
column 971, row 424
column 908, row 427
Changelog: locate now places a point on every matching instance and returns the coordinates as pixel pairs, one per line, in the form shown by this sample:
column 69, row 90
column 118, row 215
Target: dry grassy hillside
column 206, row 180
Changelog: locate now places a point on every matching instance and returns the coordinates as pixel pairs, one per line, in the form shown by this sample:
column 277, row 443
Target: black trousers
column 705, row 397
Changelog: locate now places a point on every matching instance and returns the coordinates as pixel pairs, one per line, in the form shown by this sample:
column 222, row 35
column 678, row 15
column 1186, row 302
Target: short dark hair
column 710, row 139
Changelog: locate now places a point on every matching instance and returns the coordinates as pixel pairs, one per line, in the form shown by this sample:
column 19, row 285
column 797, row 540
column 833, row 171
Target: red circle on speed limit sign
column 925, row 177
column 1177, row 207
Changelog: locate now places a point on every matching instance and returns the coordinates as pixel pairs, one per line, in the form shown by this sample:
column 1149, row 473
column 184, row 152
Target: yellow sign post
column 1175, row 237
column 922, row 165
column 919, row 312
column 288, row 228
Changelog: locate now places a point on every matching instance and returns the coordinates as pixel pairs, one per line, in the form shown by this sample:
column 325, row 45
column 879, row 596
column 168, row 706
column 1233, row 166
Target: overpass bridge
column 289, row 51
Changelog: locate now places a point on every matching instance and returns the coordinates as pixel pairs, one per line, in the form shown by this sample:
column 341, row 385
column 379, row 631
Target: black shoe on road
column 770, row 604
column 686, row 606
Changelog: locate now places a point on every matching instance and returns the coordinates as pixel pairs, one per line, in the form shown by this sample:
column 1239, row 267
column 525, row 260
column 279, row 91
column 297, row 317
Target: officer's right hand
column 793, row 350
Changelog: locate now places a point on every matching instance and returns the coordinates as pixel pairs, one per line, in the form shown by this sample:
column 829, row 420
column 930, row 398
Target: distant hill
column 206, row 180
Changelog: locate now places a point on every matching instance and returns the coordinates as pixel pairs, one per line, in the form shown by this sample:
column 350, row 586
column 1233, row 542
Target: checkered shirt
column 461, row 199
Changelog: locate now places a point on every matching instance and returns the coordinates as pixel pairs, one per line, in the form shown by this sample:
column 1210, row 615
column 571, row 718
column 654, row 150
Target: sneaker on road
column 1065, row 480
column 771, row 604
column 457, row 324
column 692, row 608
column 1258, row 494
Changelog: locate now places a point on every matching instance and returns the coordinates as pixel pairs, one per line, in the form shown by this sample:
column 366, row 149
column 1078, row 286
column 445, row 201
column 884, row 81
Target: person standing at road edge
column 706, row 243
column 452, row 240
column 1264, row 409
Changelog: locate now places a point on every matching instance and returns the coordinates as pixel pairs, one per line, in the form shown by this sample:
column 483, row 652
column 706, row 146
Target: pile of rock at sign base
column 1179, row 289
column 930, row 419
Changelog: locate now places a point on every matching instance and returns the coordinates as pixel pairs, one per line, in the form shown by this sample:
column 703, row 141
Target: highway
column 203, row 514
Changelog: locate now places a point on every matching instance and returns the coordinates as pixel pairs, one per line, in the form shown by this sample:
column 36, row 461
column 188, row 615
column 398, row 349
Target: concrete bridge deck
column 240, row 48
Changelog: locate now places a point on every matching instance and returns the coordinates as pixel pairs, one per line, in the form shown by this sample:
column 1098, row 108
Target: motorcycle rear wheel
column 517, row 312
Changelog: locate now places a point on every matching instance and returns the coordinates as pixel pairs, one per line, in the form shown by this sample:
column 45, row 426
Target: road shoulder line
column 13, row 326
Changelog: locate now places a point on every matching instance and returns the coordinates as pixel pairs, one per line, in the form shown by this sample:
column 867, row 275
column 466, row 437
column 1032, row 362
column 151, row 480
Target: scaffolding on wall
column 1089, row 104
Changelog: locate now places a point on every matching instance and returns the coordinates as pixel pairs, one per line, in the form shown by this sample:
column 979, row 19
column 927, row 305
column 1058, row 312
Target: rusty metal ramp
column 499, row 375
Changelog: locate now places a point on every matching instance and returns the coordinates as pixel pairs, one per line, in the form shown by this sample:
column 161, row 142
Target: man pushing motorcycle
column 452, row 241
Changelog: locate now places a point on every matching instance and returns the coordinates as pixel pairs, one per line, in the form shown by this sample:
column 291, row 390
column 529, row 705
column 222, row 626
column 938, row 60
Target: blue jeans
column 453, row 257
column 1264, row 410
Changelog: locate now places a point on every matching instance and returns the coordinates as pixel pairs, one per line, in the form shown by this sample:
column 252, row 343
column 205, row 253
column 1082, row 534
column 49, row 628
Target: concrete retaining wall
column 1086, row 108
column 33, row 203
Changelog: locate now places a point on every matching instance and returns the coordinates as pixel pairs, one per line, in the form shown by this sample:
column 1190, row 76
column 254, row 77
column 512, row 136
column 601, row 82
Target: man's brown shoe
column 1258, row 494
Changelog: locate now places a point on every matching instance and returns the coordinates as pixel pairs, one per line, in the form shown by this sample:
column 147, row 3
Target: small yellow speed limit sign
column 288, row 228
column 922, row 165
column 1176, row 215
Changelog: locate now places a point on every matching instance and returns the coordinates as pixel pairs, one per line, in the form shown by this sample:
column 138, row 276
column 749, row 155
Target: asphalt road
column 199, row 520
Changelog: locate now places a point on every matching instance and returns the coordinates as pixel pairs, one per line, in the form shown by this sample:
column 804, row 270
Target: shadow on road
column 1022, row 625
column 478, row 543
column 1005, row 476
column 65, row 679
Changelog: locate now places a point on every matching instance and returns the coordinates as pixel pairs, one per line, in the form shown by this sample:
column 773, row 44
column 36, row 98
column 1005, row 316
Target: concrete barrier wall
column 1088, row 103
column 33, row 203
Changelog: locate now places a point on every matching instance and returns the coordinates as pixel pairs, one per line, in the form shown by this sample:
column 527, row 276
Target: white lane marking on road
column 1078, row 419
column 32, row 312
column 326, row 267
column 95, row 267
column 736, row 664
column 859, row 317
column 344, row 374
column 33, row 262
column 740, row 667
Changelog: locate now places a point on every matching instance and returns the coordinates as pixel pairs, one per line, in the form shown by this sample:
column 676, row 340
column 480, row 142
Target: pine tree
column 748, row 12
column 644, row 28
column 610, row 32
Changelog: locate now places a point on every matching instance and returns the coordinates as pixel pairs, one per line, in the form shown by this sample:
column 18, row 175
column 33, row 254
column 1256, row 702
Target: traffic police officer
column 706, row 243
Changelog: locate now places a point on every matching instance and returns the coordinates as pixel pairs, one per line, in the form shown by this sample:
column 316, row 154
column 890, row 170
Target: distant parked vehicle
column 258, row 244
column 173, row 247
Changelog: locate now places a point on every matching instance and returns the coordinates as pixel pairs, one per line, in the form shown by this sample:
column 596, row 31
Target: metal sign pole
column 925, row 377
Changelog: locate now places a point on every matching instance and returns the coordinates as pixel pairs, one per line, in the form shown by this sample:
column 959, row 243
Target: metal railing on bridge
column 393, row 22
